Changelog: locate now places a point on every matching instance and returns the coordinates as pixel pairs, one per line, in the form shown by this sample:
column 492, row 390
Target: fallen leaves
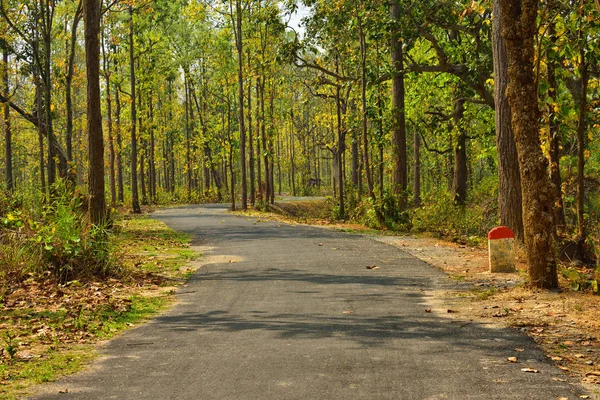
column 530, row 370
column 513, row 359
column 372, row 267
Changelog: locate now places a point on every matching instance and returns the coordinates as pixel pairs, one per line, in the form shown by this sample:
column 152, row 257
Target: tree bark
column 111, row 144
column 97, row 202
column 240, row 54
column 460, row 173
column 69, row 81
column 7, row 126
column 340, row 147
column 581, row 129
column 135, row 199
column 510, row 204
column 398, row 110
column 417, row 170
column 554, row 136
column 363, row 96
column 251, row 142
column 518, row 29
column 119, row 150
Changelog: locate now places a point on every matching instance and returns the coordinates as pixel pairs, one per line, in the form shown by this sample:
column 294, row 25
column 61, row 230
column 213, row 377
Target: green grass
column 138, row 239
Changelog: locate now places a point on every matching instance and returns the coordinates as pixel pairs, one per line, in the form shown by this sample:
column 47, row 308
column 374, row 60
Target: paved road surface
column 298, row 316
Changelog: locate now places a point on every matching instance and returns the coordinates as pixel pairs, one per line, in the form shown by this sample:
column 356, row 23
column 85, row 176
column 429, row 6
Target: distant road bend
column 292, row 312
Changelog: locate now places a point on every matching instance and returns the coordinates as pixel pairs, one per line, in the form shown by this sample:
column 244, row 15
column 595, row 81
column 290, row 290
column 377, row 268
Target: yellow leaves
column 490, row 82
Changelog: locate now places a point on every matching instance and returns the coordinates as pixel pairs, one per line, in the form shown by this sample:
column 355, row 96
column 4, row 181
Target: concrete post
column 501, row 242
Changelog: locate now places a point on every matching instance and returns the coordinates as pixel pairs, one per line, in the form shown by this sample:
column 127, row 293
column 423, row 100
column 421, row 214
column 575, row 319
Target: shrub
column 71, row 247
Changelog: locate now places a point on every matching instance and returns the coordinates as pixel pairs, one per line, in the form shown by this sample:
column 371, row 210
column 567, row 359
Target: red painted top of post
column 501, row 232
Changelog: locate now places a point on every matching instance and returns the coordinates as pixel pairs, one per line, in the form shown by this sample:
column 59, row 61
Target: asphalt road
column 297, row 315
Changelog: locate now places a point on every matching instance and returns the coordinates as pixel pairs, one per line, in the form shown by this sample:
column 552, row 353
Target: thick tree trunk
column 135, row 200
column 7, row 126
column 510, row 202
column 518, row 29
column 97, row 205
column 398, row 110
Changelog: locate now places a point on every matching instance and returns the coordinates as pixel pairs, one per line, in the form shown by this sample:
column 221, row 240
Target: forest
column 449, row 116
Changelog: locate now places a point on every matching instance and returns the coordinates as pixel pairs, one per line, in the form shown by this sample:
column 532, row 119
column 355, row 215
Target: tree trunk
column 510, row 200
column 341, row 146
column 581, row 130
column 7, row 126
column 460, row 173
column 518, row 29
column 188, row 138
column 135, row 200
column 554, row 136
column 91, row 17
column 251, row 143
column 69, row 81
column 119, row 151
column 417, row 170
column 363, row 96
column 258, row 136
column 111, row 144
column 398, row 110
column 240, row 54
column 151, row 158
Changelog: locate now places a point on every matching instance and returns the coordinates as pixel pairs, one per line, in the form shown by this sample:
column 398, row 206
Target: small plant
column 11, row 347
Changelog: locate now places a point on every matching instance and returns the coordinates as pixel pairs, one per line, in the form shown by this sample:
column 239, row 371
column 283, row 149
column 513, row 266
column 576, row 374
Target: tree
column 135, row 197
column 510, row 205
column 398, row 106
column 7, row 126
column 518, row 18
column 91, row 18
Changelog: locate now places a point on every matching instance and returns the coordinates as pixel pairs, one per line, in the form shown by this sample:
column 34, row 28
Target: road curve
column 292, row 312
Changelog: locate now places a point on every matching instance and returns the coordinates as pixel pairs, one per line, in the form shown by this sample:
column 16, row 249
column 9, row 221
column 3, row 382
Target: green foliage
column 581, row 280
column 442, row 216
column 71, row 246
column 60, row 239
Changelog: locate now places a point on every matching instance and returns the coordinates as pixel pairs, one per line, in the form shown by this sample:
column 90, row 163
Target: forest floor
column 51, row 329
column 564, row 323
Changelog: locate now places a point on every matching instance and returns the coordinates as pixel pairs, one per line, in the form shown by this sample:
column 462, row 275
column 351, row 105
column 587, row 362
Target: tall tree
column 7, row 125
column 518, row 29
column 510, row 205
column 398, row 105
column 135, row 197
column 91, row 19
